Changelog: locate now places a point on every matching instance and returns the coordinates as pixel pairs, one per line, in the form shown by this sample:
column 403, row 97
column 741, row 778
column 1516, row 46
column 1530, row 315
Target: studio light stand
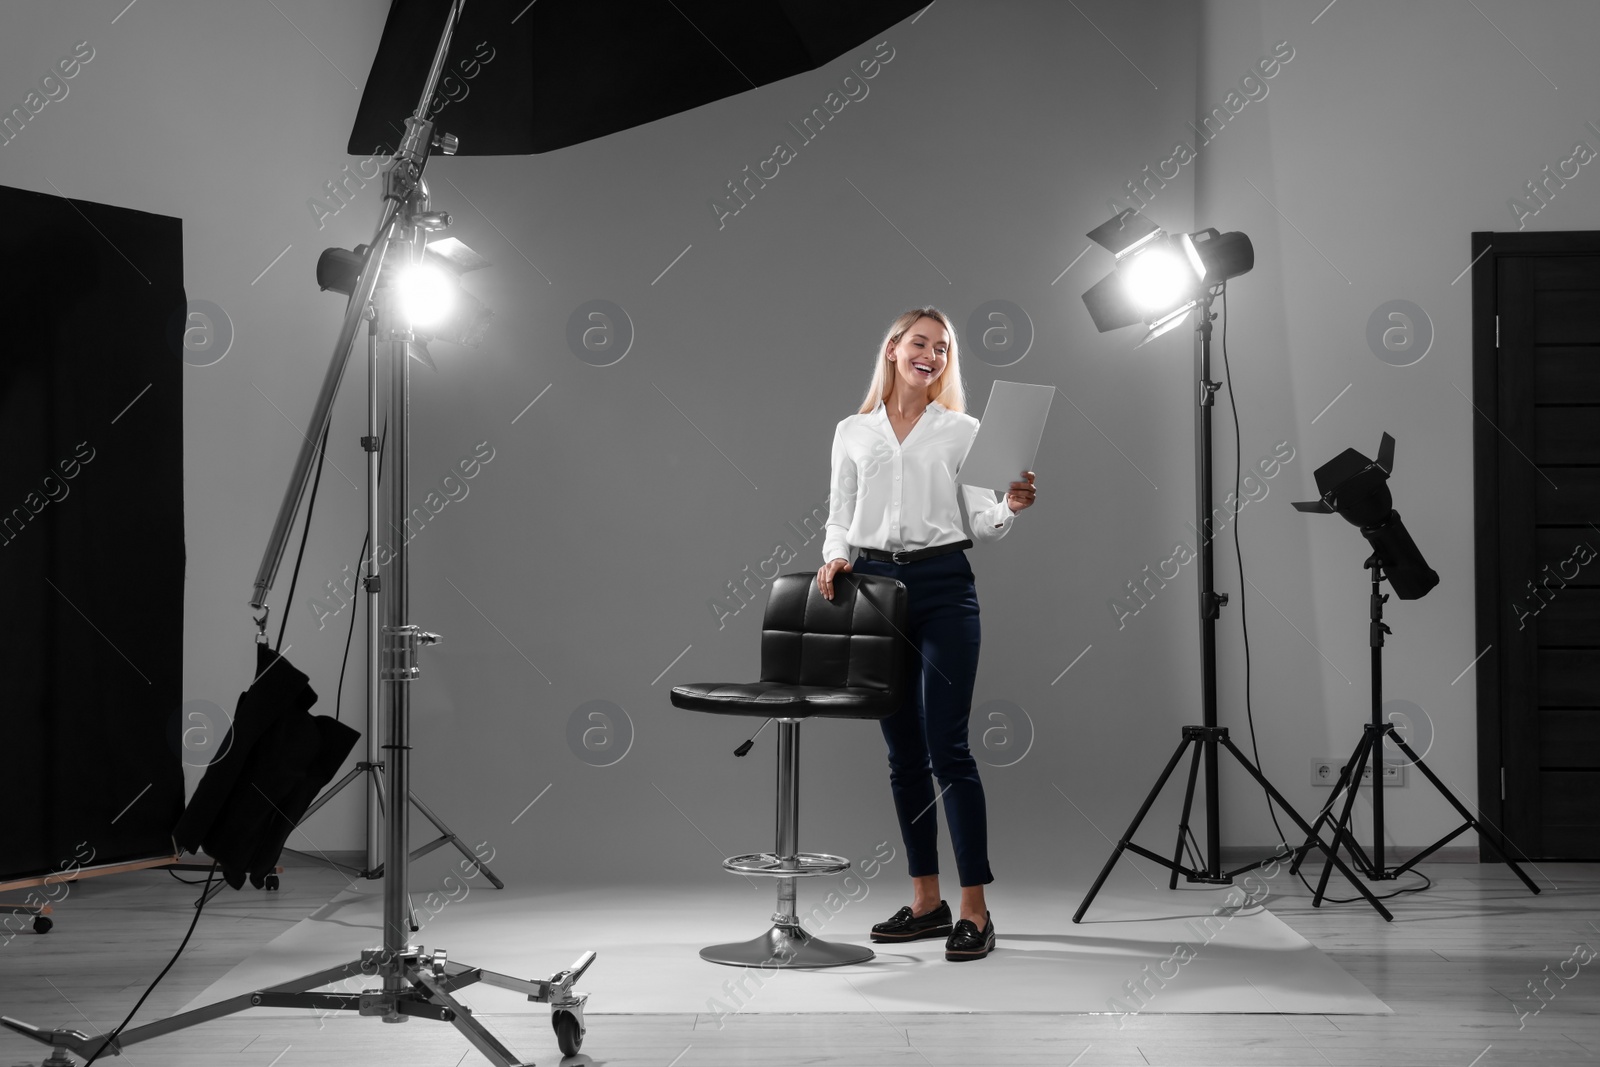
column 1206, row 738
column 1354, row 486
column 413, row 981
column 371, row 769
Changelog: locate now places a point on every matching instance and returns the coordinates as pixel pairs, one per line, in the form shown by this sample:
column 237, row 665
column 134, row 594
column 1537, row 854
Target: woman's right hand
column 825, row 575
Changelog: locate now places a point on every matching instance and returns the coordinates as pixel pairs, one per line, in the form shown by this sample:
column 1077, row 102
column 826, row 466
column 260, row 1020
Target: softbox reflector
column 531, row 77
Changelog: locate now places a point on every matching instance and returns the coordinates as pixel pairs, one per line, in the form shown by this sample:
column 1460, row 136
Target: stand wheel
column 270, row 882
column 42, row 924
column 567, row 1036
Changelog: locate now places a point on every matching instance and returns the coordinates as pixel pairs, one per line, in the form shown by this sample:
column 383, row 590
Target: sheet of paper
column 1008, row 436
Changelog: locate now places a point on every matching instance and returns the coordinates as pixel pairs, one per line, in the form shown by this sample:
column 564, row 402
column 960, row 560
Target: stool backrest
column 856, row 640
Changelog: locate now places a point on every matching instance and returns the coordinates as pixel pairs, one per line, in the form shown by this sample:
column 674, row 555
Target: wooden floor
column 1455, row 965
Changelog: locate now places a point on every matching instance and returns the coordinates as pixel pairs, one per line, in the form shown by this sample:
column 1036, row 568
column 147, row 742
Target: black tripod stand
column 1205, row 739
column 1370, row 750
column 1209, row 735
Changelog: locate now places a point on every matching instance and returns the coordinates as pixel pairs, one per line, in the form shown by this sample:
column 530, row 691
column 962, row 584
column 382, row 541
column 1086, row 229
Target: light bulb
column 1158, row 279
column 427, row 293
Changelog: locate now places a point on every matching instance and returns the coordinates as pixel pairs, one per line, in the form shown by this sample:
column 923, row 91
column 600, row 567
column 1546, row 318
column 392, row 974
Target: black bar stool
column 844, row 658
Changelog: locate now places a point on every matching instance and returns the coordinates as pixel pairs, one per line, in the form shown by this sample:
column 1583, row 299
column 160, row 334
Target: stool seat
column 804, row 864
column 786, row 701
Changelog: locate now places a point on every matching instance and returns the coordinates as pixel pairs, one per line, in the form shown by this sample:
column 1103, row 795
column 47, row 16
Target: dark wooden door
column 1537, row 457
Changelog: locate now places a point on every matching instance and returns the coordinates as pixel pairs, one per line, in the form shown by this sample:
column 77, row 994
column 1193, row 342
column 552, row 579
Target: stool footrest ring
column 805, row 864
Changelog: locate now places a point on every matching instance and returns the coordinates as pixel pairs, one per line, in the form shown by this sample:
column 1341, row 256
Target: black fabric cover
column 524, row 77
column 275, row 760
column 91, row 531
column 843, row 658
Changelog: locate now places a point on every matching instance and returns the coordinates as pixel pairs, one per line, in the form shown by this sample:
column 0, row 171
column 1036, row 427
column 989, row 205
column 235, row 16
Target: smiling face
column 920, row 357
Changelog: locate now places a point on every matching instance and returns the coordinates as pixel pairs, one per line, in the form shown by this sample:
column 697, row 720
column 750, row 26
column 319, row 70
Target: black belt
column 912, row 556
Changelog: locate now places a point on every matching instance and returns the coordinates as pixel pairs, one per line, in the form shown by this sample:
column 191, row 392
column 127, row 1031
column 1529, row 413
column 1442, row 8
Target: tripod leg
column 1183, row 820
column 1325, row 815
column 1341, row 829
column 471, row 1029
column 349, row 777
column 456, row 841
column 1288, row 810
column 1488, row 838
column 1133, row 827
column 1359, row 859
column 1310, row 841
column 1366, row 752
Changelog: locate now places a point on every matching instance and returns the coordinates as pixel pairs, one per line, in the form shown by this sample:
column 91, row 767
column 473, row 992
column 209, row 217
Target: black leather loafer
column 967, row 942
column 903, row 926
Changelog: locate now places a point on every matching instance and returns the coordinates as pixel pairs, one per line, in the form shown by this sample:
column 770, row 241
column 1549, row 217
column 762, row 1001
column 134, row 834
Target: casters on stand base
column 569, row 1032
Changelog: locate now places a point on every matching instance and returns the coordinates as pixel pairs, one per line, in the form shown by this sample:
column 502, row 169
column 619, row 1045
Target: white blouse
column 896, row 496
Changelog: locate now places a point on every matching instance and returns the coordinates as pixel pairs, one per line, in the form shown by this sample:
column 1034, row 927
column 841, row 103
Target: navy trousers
column 927, row 737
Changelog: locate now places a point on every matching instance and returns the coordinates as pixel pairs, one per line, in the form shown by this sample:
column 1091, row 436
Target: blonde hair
column 947, row 391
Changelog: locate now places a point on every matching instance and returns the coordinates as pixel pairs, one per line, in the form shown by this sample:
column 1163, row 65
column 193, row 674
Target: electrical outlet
column 1325, row 771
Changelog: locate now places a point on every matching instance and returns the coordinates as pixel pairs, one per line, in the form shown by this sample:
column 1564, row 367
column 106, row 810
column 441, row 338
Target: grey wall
column 581, row 561
column 1396, row 131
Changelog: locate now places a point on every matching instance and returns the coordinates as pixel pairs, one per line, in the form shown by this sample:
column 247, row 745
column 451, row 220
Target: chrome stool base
column 786, row 946
column 786, row 943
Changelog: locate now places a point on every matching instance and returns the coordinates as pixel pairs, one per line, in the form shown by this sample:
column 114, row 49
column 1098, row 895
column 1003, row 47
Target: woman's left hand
column 1021, row 494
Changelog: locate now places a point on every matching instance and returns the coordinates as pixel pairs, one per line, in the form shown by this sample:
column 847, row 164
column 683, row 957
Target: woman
column 893, row 496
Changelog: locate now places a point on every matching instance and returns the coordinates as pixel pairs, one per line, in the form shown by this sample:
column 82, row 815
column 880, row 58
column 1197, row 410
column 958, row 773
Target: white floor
column 647, row 942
